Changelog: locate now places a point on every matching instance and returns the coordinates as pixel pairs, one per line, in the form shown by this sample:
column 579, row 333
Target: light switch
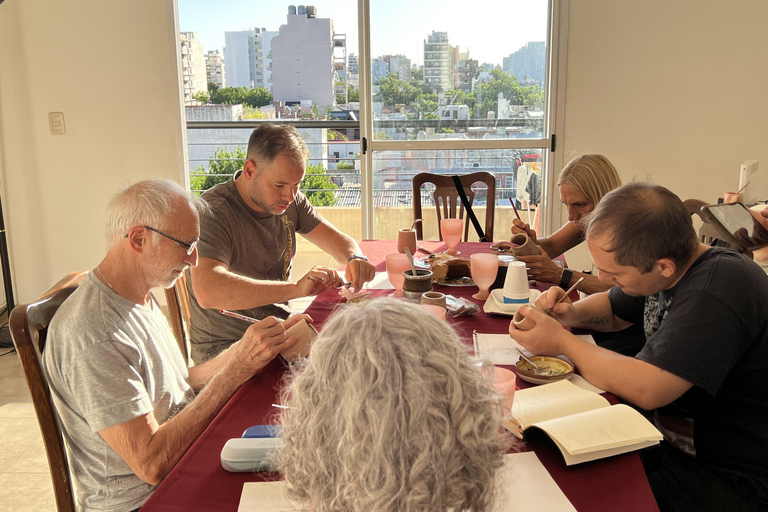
column 56, row 120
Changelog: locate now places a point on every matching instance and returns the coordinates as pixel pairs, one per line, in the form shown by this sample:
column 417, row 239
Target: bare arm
column 151, row 450
column 567, row 237
column 341, row 246
column 543, row 269
column 217, row 287
column 641, row 383
column 593, row 312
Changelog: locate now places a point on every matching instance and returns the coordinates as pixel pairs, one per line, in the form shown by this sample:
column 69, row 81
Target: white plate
column 457, row 285
column 495, row 302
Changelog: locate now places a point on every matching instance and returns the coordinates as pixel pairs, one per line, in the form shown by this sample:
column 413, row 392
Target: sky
column 489, row 29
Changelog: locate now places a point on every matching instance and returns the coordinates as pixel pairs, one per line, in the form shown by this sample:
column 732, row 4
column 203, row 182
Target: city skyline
column 391, row 33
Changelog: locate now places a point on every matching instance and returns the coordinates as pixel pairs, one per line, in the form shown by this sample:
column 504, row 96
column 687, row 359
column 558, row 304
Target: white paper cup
column 516, row 289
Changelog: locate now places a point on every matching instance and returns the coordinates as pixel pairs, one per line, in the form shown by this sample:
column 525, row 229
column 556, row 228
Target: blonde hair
column 390, row 414
column 593, row 175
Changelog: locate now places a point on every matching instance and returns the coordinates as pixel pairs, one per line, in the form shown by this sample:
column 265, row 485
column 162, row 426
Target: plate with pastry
column 450, row 270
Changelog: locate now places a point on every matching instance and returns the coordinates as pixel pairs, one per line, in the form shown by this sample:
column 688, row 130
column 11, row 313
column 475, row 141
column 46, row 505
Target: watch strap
column 565, row 278
column 357, row 256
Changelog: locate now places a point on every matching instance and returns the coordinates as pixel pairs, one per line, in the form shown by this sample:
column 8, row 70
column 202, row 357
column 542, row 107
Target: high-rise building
column 354, row 66
column 530, row 60
column 467, row 71
column 192, row 67
column 214, row 68
column 379, row 69
column 303, row 62
column 441, row 62
column 248, row 59
column 399, row 65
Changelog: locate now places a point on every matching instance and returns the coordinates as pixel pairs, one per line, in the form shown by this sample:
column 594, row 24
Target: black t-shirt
column 711, row 329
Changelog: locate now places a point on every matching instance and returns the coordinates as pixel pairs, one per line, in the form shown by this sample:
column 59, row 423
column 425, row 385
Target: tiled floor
column 25, row 481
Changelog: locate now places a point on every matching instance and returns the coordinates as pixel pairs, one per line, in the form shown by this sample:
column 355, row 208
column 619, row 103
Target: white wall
column 677, row 90
column 112, row 69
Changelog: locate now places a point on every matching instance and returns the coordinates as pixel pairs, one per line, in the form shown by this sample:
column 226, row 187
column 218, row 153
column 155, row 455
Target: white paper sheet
column 500, row 349
column 525, row 485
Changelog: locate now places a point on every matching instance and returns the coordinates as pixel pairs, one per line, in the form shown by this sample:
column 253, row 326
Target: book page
column 600, row 429
column 525, row 484
column 555, row 400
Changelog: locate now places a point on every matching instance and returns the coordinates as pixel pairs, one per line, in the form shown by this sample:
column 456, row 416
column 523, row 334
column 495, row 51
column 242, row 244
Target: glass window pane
column 444, row 69
column 517, row 174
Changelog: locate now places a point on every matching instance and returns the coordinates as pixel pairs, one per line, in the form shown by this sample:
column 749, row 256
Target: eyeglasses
column 190, row 247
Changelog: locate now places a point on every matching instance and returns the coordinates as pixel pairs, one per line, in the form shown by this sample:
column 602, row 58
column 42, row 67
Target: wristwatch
column 357, row 256
column 565, row 278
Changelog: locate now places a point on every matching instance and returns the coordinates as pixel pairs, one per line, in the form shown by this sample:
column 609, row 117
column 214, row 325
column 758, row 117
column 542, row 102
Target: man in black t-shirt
column 702, row 369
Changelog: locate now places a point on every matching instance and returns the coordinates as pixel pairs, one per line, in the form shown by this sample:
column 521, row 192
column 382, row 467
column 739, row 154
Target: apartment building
column 248, row 59
column 193, row 68
column 214, row 68
column 440, row 62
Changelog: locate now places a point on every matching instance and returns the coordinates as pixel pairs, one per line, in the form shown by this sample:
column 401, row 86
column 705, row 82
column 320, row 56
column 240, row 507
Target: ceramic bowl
column 551, row 369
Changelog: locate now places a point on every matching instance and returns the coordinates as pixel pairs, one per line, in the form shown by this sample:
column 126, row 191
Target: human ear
column 137, row 237
column 667, row 267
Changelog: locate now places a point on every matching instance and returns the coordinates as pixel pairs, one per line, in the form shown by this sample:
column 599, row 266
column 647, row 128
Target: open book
column 581, row 423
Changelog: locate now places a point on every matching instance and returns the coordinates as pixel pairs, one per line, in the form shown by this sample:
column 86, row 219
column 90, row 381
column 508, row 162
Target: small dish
column 495, row 302
column 502, row 248
column 551, row 369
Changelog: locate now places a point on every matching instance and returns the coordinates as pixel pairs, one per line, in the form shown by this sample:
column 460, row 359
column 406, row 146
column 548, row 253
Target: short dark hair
column 271, row 139
column 644, row 223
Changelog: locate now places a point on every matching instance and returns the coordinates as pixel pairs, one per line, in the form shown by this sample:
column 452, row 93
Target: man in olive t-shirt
column 248, row 240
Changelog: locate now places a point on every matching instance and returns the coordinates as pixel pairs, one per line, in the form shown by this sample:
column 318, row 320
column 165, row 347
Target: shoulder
column 719, row 270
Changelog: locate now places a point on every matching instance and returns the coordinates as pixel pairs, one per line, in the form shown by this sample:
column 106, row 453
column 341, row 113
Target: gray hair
column 272, row 139
column 390, row 414
column 146, row 203
column 643, row 223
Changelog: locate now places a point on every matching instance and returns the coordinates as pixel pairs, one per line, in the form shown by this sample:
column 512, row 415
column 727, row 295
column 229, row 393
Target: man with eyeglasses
column 248, row 242
column 128, row 404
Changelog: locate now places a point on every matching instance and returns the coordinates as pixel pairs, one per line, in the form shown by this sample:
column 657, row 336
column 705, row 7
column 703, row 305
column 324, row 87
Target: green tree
column 257, row 97
column 426, row 106
column 316, row 185
column 393, row 91
column 417, row 74
column 221, row 166
column 345, row 166
column 488, row 93
column 532, row 97
column 213, row 87
column 201, row 97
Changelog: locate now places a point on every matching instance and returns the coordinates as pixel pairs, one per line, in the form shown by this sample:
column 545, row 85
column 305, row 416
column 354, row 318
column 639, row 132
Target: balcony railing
column 338, row 186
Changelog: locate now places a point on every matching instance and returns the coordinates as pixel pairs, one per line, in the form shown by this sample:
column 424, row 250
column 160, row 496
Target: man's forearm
column 222, row 289
column 594, row 312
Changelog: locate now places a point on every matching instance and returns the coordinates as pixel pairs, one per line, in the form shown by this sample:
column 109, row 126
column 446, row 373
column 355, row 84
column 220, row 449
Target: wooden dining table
column 199, row 483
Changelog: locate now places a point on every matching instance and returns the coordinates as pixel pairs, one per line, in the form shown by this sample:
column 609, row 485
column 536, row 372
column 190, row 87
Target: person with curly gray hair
column 390, row 414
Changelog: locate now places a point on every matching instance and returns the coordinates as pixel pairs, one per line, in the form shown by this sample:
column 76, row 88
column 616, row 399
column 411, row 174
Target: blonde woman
column 390, row 415
column 583, row 182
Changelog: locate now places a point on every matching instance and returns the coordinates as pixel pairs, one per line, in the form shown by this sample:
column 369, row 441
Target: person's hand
column 358, row 273
column 542, row 339
column 317, row 280
column 519, row 226
column 263, row 341
column 565, row 312
column 542, row 268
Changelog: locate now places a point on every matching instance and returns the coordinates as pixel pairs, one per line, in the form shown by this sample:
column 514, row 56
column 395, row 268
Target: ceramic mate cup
column 406, row 238
column 435, row 298
column 524, row 246
column 515, row 289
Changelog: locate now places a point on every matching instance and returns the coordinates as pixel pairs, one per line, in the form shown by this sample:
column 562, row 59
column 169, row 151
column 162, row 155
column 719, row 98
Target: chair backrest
column 448, row 202
column 707, row 232
column 28, row 324
column 179, row 313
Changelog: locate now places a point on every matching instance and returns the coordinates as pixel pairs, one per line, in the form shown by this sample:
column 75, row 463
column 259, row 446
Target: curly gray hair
column 390, row 414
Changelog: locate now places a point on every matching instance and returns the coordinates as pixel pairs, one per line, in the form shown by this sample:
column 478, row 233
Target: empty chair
column 448, row 203
column 28, row 324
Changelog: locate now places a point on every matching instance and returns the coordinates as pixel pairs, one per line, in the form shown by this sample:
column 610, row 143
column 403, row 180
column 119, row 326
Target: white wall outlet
column 56, row 120
column 746, row 177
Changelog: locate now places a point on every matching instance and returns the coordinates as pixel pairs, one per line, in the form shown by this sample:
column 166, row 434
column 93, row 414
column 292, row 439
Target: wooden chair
column 448, row 203
column 179, row 313
column 707, row 233
column 28, row 324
